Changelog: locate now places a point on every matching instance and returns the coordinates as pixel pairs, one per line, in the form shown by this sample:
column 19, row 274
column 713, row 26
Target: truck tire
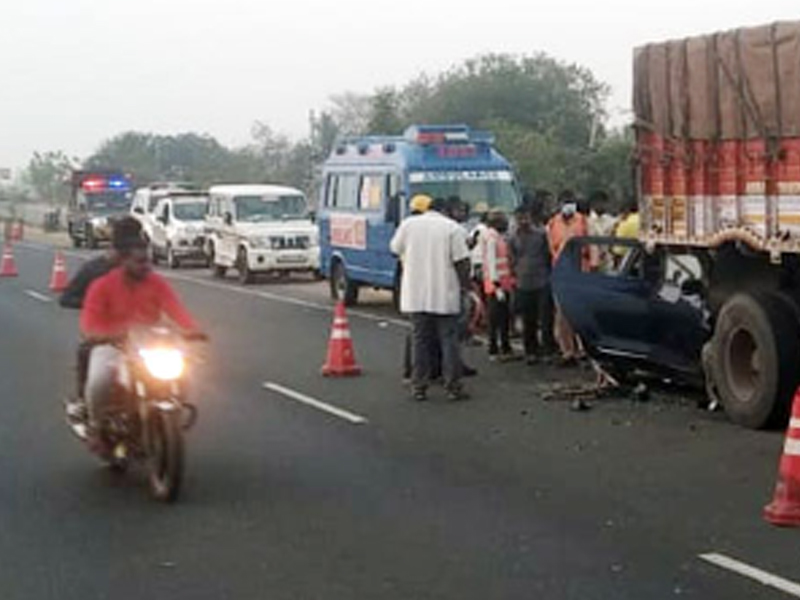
column 343, row 289
column 91, row 241
column 754, row 359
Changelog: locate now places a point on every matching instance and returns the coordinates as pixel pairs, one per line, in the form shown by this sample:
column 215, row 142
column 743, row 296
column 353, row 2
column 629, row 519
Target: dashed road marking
column 763, row 577
column 314, row 403
column 382, row 320
column 273, row 297
column 37, row 296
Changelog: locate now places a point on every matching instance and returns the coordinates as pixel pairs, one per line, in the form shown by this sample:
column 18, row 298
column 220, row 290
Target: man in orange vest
column 498, row 284
column 565, row 225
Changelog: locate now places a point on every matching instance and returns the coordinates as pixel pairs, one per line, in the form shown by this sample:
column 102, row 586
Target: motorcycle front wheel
column 165, row 461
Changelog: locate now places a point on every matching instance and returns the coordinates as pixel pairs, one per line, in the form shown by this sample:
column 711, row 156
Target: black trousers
column 547, row 316
column 435, row 358
column 530, row 306
column 499, row 325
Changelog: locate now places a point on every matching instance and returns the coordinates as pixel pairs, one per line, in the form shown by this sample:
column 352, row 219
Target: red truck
column 718, row 178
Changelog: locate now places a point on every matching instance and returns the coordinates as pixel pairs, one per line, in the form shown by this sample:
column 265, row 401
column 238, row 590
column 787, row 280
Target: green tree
column 385, row 117
column 48, row 174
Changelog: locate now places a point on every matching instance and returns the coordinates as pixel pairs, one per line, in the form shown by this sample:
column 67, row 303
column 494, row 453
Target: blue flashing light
column 118, row 184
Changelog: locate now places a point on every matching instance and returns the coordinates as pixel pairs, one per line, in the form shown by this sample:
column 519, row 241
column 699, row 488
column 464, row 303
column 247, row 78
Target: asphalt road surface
column 504, row 496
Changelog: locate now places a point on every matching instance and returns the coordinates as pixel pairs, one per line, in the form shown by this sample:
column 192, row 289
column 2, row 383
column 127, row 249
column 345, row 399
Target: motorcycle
column 148, row 413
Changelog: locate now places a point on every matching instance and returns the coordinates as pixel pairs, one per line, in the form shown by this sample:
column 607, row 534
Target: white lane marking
column 284, row 299
column 318, row 404
column 381, row 320
column 37, row 296
column 768, row 579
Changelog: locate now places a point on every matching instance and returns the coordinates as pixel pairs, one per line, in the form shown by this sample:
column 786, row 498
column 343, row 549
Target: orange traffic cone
column 8, row 268
column 58, row 280
column 785, row 507
column 17, row 231
column 341, row 359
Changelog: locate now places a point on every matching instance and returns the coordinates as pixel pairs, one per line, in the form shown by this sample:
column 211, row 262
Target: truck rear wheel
column 754, row 358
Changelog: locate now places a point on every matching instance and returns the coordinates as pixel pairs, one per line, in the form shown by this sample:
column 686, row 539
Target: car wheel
column 343, row 289
column 243, row 267
column 753, row 359
column 172, row 261
column 91, row 241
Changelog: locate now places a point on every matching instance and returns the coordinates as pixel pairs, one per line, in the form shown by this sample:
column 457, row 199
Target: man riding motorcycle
column 75, row 293
column 129, row 296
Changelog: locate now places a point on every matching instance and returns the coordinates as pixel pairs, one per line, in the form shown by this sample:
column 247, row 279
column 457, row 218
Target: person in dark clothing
column 75, row 293
column 530, row 254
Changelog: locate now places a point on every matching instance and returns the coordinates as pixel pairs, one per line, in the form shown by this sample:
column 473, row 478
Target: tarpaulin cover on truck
column 739, row 84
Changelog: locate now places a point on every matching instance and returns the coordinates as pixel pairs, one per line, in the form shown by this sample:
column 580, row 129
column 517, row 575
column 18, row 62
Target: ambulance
column 367, row 183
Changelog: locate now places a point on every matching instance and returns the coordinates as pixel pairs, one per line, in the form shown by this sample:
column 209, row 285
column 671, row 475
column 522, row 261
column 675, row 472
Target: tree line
column 548, row 117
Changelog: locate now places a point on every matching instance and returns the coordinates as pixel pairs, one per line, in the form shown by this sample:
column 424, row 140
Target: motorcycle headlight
column 164, row 364
column 100, row 221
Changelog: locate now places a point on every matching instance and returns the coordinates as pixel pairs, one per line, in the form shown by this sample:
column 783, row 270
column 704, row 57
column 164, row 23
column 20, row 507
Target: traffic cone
column 785, row 508
column 17, row 231
column 8, row 268
column 58, row 280
column 341, row 360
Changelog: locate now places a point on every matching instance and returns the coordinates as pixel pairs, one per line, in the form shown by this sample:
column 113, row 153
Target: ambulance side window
column 345, row 191
column 330, row 190
column 370, row 195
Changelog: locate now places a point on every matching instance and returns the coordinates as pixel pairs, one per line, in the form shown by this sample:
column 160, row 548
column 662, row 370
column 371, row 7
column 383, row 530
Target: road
column 504, row 496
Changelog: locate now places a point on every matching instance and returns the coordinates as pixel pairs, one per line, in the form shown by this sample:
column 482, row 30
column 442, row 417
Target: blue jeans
column 427, row 331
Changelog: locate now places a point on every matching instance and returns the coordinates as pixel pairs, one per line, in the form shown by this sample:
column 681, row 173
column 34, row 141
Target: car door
column 227, row 232
column 161, row 216
column 609, row 310
column 679, row 324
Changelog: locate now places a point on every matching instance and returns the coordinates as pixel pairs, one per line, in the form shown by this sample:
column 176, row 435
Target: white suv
column 146, row 198
column 260, row 228
column 178, row 230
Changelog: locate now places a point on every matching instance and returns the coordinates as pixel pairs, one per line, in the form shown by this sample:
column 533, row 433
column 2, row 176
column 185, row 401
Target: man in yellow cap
column 420, row 204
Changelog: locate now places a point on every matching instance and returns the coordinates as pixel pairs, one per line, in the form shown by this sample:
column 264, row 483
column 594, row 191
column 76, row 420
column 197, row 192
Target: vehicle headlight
column 259, row 242
column 100, row 221
column 164, row 364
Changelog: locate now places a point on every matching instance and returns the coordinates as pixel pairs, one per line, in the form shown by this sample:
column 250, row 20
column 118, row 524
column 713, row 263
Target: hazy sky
column 75, row 72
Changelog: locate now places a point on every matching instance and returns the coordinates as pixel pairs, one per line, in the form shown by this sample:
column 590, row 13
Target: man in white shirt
column 435, row 271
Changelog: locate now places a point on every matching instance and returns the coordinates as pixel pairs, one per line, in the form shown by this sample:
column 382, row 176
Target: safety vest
column 502, row 263
column 560, row 231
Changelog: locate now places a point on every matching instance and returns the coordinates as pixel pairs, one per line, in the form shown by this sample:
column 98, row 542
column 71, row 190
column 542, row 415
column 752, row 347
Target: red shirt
column 114, row 304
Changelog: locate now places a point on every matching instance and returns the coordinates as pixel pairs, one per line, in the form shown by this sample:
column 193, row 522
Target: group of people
column 508, row 263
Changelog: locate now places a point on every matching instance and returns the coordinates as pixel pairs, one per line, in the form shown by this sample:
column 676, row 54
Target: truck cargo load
column 718, row 139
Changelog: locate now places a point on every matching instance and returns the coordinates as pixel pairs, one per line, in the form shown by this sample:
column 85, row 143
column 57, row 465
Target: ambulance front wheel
column 343, row 289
